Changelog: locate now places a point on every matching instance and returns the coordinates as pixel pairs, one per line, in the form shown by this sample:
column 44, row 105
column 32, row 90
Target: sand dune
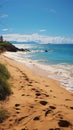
column 37, row 103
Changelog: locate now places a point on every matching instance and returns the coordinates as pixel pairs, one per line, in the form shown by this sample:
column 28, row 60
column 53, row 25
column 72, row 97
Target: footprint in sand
column 38, row 94
column 64, row 123
column 52, row 107
column 36, row 118
column 46, row 95
column 43, row 103
column 23, row 95
column 71, row 108
column 17, row 112
column 17, row 108
column 48, row 112
column 31, row 106
column 22, row 86
column 17, row 105
column 67, row 99
column 30, row 82
column 37, row 91
column 27, row 79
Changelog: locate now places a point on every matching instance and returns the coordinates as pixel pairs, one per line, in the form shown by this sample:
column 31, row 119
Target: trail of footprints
column 49, row 110
column 46, row 108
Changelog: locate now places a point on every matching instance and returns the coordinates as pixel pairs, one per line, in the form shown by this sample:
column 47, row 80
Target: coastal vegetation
column 3, row 115
column 5, row 89
column 7, row 46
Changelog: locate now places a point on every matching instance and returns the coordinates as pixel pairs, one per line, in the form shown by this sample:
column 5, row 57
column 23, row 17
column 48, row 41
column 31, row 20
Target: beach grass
column 3, row 115
column 4, row 72
column 5, row 89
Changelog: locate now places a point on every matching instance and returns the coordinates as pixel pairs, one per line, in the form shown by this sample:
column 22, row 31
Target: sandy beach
column 37, row 102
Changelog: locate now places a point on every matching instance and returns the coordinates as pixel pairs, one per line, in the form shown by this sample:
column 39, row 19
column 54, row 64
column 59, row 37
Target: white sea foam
column 60, row 72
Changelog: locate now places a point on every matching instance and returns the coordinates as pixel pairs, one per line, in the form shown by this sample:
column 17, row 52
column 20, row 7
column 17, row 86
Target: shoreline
column 37, row 102
column 53, row 72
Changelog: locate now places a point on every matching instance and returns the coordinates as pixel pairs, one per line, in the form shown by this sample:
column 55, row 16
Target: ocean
column 54, row 58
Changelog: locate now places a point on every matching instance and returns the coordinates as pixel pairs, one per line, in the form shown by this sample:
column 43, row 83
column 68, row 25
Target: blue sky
column 37, row 20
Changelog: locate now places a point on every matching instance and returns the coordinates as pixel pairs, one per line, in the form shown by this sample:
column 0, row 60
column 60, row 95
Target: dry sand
column 37, row 103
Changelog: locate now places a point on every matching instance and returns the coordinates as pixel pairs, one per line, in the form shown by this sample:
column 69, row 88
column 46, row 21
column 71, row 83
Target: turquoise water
column 57, row 53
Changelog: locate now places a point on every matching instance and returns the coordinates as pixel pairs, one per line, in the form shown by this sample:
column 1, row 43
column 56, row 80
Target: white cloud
column 38, row 38
column 43, row 30
column 5, row 29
